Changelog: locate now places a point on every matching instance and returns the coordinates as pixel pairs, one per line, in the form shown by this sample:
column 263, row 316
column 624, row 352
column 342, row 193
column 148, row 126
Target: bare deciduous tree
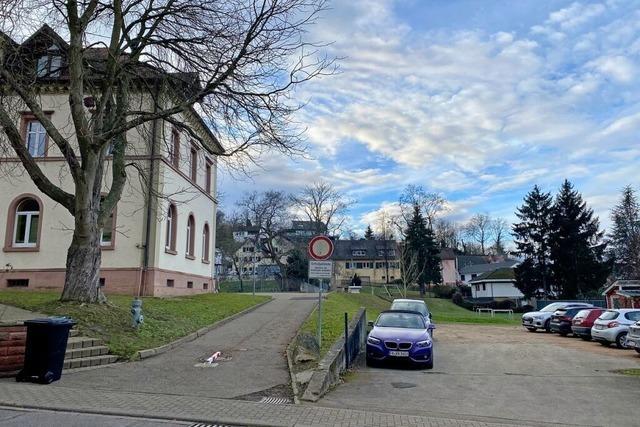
column 478, row 229
column 269, row 212
column 431, row 204
column 233, row 62
column 410, row 268
column 499, row 229
column 324, row 206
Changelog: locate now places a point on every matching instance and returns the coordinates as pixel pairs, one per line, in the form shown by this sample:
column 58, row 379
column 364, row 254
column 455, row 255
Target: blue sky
column 475, row 99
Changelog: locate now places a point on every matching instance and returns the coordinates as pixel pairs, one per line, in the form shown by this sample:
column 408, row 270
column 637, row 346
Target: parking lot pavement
column 505, row 373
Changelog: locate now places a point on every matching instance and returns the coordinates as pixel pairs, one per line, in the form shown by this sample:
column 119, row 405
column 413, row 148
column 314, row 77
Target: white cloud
column 616, row 67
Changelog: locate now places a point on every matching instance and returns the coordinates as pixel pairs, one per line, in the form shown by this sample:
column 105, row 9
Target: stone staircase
column 83, row 352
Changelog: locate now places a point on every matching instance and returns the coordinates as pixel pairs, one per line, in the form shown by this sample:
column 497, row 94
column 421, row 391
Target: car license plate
column 399, row 353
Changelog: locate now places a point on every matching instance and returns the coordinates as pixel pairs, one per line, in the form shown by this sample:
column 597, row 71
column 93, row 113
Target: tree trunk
column 82, row 279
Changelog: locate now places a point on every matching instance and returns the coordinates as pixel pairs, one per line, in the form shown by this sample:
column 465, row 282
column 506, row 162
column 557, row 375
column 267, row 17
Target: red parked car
column 583, row 321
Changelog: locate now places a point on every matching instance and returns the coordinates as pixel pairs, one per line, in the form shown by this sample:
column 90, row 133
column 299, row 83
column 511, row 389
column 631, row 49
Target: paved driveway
column 505, row 373
column 255, row 344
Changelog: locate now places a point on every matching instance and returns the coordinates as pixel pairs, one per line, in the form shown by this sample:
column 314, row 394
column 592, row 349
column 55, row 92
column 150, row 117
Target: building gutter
column 147, row 230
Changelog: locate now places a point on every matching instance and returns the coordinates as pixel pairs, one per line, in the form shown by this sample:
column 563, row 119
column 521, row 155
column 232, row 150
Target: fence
column 596, row 302
column 354, row 338
column 338, row 358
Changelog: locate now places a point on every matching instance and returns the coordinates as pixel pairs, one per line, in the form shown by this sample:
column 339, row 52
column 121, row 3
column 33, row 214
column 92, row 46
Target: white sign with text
column 320, row 269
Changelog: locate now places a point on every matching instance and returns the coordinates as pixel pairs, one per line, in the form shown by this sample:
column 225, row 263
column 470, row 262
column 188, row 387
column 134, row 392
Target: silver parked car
column 542, row 319
column 613, row 325
column 633, row 337
column 416, row 305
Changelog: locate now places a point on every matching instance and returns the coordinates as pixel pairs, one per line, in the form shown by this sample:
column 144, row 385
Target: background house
column 496, row 285
column 623, row 294
column 374, row 261
column 473, row 271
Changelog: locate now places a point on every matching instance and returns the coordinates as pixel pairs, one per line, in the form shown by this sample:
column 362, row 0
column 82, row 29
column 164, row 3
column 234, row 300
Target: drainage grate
column 275, row 400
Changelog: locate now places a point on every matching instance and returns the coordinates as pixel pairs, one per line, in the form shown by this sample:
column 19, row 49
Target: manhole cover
column 275, row 400
column 403, row 385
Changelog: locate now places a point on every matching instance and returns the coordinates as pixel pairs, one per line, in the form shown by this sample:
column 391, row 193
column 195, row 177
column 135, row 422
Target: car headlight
column 425, row 343
column 373, row 340
column 537, row 317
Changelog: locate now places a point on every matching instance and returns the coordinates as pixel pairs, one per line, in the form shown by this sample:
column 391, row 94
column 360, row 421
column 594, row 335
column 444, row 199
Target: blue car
column 400, row 335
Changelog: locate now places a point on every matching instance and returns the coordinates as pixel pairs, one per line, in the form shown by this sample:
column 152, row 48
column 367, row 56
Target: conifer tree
column 625, row 236
column 531, row 237
column 576, row 245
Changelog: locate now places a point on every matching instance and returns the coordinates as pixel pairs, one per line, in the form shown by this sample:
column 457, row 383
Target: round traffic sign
column 320, row 248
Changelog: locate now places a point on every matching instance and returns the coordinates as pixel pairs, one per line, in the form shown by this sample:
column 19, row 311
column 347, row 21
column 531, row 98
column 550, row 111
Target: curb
column 294, row 383
column 145, row 354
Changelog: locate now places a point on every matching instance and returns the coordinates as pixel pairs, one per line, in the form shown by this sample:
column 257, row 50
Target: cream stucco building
column 161, row 236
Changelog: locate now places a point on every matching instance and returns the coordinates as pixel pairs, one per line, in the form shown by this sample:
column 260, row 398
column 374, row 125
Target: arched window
column 205, row 243
column 26, row 224
column 172, row 220
column 191, row 228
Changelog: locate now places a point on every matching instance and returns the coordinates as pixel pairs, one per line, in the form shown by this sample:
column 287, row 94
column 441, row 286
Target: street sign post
column 320, row 250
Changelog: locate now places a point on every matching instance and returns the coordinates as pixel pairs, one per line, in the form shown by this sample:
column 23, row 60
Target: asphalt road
column 252, row 360
column 10, row 417
column 505, row 373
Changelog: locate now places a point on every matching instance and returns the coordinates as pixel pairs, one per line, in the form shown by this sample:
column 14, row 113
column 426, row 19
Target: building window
column 189, row 285
column 170, row 283
column 17, row 283
column 27, row 224
column 174, row 148
column 193, row 164
column 108, row 231
column 207, row 178
column 359, row 252
column 102, row 282
column 36, row 138
column 205, row 243
column 484, row 287
column 191, row 228
column 49, row 65
column 172, row 221
column 205, row 286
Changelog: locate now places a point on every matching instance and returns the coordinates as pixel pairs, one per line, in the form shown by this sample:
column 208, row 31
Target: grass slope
column 333, row 309
column 445, row 311
column 165, row 319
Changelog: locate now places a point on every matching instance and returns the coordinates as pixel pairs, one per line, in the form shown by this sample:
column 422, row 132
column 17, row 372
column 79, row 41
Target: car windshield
column 609, row 315
column 410, row 306
column 400, row 320
column 552, row 307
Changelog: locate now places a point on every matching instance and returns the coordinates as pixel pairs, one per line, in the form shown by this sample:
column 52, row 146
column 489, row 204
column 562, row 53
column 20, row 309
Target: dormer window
column 358, row 252
column 49, row 65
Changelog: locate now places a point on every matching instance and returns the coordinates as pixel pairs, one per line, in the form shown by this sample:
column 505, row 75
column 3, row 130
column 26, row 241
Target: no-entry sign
column 320, row 248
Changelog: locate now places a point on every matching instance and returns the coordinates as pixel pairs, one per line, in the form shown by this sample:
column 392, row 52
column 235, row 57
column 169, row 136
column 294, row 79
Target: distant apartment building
column 160, row 238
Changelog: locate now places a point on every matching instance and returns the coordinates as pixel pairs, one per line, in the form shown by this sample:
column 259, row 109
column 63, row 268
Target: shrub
column 443, row 291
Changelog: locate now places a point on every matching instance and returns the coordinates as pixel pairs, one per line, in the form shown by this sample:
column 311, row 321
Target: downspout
column 147, row 231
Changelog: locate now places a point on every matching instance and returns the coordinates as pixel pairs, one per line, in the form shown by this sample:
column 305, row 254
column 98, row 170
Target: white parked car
column 613, row 325
column 633, row 337
column 541, row 319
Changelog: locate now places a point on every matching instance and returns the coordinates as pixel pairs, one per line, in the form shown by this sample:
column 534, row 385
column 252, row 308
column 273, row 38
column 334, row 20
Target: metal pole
column 255, row 250
column 346, row 340
column 320, row 315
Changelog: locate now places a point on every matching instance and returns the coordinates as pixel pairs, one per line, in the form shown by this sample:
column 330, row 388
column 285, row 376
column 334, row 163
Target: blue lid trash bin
column 45, row 349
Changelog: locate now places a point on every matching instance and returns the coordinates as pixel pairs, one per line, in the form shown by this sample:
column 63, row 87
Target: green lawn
column 165, row 319
column 333, row 309
column 445, row 311
column 634, row 372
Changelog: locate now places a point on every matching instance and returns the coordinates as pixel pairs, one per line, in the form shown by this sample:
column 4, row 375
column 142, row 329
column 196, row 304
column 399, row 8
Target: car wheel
column 547, row 326
column 531, row 329
column 637, row 350
column 585, row 337
column 562, row 334
column 371, row 362
column 620, row 340
column 429, row 365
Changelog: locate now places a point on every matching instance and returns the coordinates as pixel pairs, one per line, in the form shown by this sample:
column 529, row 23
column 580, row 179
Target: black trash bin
column 44, row 352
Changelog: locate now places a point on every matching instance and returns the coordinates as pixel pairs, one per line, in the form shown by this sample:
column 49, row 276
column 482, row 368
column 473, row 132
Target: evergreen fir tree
column 576, row 246
column 368, row 234
column 421, row 243
column 625, row 236
column 531, row 237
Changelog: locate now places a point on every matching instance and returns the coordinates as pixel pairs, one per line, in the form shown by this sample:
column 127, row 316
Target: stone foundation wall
column 13, row 338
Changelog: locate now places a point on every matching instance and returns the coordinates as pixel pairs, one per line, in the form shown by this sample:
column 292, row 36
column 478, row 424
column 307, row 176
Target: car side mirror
column 370, row 323
column 430, row 316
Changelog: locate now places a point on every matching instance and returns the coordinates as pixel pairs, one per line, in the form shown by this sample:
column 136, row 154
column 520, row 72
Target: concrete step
column 84, row 362
column 82, row 342
column 77, row 353
column 74, row 333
